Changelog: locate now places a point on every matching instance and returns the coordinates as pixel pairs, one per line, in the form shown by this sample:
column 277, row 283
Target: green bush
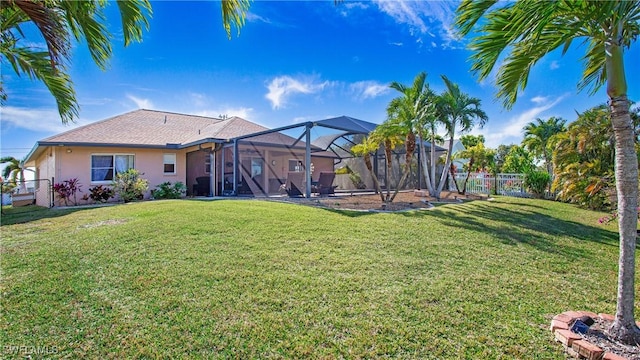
column 537, row 182
column 130, row 186
column 100, row 193
column 168, row 191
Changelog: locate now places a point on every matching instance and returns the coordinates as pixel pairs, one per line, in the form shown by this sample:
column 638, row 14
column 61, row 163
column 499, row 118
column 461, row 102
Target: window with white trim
column 169, row 164
column 104, row 167
column 207, row 165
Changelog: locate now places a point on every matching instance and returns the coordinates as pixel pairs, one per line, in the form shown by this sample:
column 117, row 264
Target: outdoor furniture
column 202, row 186
column 325, row 183
column 295, row 184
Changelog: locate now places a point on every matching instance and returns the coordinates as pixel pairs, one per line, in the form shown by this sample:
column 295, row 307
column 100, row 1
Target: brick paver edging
column 573, row 343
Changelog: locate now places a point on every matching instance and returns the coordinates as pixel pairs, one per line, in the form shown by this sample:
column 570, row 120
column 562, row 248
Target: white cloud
column 283, row 87
column 251, row 17
column 396, row 44
column 41, row 120
column 511, row 130
column 540, row 99
column 368, row 89
column 554, row 65
column 141, row 103
column 356, row 5
column 424, row 17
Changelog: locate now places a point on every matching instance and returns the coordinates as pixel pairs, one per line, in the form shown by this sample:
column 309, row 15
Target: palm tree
column 58, row 21
column 526, row 31
column 406, row 111
column 538, row 138
column 365, row 148
column 14, row 171
column 458, row 111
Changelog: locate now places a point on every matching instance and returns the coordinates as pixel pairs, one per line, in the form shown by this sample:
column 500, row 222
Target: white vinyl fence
column 484, row 183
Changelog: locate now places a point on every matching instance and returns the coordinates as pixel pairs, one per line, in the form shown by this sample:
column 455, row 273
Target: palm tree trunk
column 374, row 176
column 453, row 176
column 425, row 168
column 624, row 327
column 410, row 146
column 443, row 177
column 432, row 190
column 464, row 186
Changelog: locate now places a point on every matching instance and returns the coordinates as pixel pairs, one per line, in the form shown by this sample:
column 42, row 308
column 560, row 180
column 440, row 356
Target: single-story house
column 211, row 156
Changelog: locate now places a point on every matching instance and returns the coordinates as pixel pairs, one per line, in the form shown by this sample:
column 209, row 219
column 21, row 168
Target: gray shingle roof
column 156, row 128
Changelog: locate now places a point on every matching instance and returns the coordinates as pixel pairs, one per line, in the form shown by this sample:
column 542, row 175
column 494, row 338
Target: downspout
column 307, row 158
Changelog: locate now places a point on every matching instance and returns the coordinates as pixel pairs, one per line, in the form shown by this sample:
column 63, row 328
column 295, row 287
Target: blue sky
column 293, row 61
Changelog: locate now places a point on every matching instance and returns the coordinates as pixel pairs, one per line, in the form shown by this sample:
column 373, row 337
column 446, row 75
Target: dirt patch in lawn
column 406, row 200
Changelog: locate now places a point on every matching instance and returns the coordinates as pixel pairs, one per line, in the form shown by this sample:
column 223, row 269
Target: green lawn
column 255, row 279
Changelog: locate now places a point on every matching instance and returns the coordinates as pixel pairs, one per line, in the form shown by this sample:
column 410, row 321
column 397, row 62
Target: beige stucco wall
column 67, row 162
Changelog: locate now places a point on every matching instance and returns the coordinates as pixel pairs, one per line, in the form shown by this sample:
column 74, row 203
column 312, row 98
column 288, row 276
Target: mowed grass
column 256, row 279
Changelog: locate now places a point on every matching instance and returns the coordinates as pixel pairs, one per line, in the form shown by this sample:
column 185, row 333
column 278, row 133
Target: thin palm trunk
column 432, row 190
column 464, row 186
column 624, row 327
column 425, row 167
column 453, row 176
column 445, row 170
column 374, row 176
column 410, row 146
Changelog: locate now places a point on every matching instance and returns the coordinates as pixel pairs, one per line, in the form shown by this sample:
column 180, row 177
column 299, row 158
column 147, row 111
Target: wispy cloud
column 512, row 132
column 554, row 65
column 431, row 18
column 283, row 87
column 252, row 17
column 41, row 120
column 368, row 89
column 140, row 102
column 540, row 99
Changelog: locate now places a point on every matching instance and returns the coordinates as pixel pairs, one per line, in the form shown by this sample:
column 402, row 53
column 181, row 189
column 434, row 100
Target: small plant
column 537, row 182
column 130, row 186
column 67, row 190
column 168, row 191
column 614, row 215
column 100, row 194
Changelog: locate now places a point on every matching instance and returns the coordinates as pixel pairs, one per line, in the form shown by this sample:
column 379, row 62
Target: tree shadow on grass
column 20, row 215
column 525, row 225
column 521, row 223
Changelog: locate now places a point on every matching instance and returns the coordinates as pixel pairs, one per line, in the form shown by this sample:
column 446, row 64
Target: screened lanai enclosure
column 296, row 160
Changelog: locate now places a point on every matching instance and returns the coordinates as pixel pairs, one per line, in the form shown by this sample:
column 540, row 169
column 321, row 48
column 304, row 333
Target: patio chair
column 295, row 184
column 325, row 183
column 201, row 187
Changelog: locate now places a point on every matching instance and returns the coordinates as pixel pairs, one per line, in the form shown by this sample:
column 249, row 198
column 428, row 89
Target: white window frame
column 113, row 155
column 165, row 162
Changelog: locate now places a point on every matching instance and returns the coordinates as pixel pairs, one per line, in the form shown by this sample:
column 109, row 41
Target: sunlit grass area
column 258, row 279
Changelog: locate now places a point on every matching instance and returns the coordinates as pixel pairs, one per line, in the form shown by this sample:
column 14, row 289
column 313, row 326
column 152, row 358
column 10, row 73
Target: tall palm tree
column 459, row 113
column 526, row 31
column 406, row 111
column 538, row 136
column 58, row 21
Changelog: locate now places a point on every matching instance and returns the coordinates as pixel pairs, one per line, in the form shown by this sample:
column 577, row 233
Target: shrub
column 130, row 186
column 168, row 191
column 100, row 193
column 537, row 182
column 68, row 189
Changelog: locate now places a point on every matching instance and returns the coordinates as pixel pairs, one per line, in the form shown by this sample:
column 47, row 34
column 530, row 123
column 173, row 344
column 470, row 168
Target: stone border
column 573, row 343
